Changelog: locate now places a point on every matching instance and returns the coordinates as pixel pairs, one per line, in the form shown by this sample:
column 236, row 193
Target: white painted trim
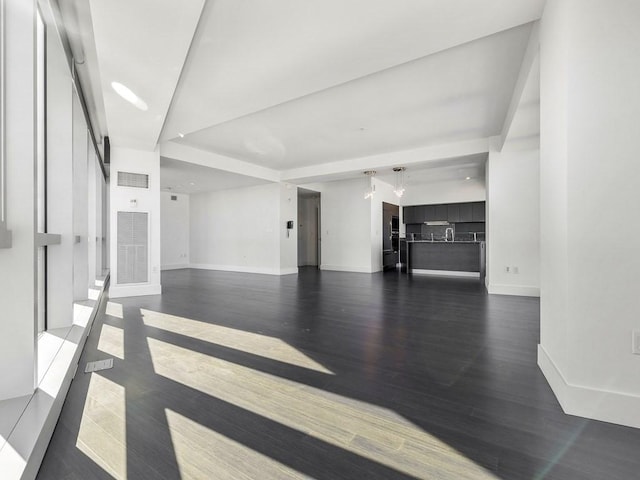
column 587, row 402
column 445, row 273
column 245, row 269
column 519, row 290
column 37, row 414
column 119, row 291
column 346, row 268
column 175, row 266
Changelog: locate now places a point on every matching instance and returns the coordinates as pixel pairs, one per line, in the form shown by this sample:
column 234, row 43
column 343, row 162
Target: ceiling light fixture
column 468, row 178
column 399, row 189
column 129, row 96
column 181, row 135
column 370, row 187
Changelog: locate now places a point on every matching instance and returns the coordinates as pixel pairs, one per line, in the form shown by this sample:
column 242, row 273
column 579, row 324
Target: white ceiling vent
column 137, row 180
column 133, row 247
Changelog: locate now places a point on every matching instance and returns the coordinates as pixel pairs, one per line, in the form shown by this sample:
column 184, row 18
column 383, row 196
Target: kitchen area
column 440, row 239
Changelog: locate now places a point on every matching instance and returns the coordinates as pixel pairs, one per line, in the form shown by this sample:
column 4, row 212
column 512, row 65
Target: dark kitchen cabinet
column 441, row 212
column 409, row 215
column 453, row 213
column 466, row 212
column 478, row 212
column 429, row 213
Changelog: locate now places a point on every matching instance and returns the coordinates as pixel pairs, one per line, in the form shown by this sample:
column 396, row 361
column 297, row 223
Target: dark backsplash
column 463, row 231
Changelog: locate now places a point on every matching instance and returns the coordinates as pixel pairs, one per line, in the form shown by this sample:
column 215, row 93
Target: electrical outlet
column 507, row 269
column 635, row 342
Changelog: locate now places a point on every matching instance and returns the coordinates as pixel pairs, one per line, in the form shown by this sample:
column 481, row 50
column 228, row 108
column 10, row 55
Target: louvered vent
column 174, row 198
column 133, row 247
column 137, row 180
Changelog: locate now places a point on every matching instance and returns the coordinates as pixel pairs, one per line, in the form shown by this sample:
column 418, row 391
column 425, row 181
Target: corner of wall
column 604, row 405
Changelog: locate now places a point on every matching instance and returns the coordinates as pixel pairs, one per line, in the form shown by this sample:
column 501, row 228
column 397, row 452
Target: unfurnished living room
column 356, row 239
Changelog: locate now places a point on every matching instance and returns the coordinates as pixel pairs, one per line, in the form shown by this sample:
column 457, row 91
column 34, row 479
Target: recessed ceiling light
column 181, row 135
column 129, row 96
column 468, row 178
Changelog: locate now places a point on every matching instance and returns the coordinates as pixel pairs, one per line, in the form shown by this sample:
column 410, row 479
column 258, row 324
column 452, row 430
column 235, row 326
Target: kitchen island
column 454, row 258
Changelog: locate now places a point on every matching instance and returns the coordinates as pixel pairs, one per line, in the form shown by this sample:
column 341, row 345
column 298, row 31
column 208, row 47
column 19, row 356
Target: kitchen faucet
column 446, row 234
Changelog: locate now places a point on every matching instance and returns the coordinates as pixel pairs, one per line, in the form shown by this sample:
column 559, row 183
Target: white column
column 80, row 207
column 17, row 264
column 589, row 175
column 512, row 223
column 59, row 184
column 131, row 199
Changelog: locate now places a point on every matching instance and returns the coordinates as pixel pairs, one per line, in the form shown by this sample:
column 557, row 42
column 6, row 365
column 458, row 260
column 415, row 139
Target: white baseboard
column 119, row 291
column 587, row 402
column 520, row 290
column 174, row 266
column 343, row 268
column 245, row 269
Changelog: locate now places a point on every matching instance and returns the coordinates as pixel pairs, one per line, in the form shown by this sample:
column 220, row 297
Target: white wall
column 174, row 231
column 346, row 226
column 239, row 229
column 590, row 197
column 457, row 191
column 513, row 222
column 148, row 200
column 288, row 203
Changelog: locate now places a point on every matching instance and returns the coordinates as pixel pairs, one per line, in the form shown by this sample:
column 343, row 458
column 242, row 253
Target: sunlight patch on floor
column 114, row 310
column 254, row 343
column 205, row 453
column 370, row 431
column 112, row 341
column 102, row 435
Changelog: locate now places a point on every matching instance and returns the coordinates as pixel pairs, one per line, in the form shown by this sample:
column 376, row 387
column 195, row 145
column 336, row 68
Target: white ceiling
column 141, row 44
column 471, row 166
column 459, row 94
column 526, row 122
column 286, row 84
column 184, row 177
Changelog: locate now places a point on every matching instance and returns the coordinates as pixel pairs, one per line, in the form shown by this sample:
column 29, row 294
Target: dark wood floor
column 324, row 375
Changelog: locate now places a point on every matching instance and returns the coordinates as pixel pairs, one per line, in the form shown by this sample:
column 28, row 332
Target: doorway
column 309, row 250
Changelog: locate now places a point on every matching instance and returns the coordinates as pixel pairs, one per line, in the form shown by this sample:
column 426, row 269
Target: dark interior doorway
column 309, row 250
column 390, row 235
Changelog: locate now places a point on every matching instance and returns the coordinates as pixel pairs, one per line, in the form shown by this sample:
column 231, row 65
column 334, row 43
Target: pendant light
column 370, row 187
column 399, row 188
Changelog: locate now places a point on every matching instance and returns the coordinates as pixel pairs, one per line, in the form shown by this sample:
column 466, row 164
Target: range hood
column 437, row 222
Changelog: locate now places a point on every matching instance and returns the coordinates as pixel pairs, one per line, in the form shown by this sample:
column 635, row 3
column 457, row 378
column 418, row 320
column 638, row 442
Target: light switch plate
column 635, row 342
